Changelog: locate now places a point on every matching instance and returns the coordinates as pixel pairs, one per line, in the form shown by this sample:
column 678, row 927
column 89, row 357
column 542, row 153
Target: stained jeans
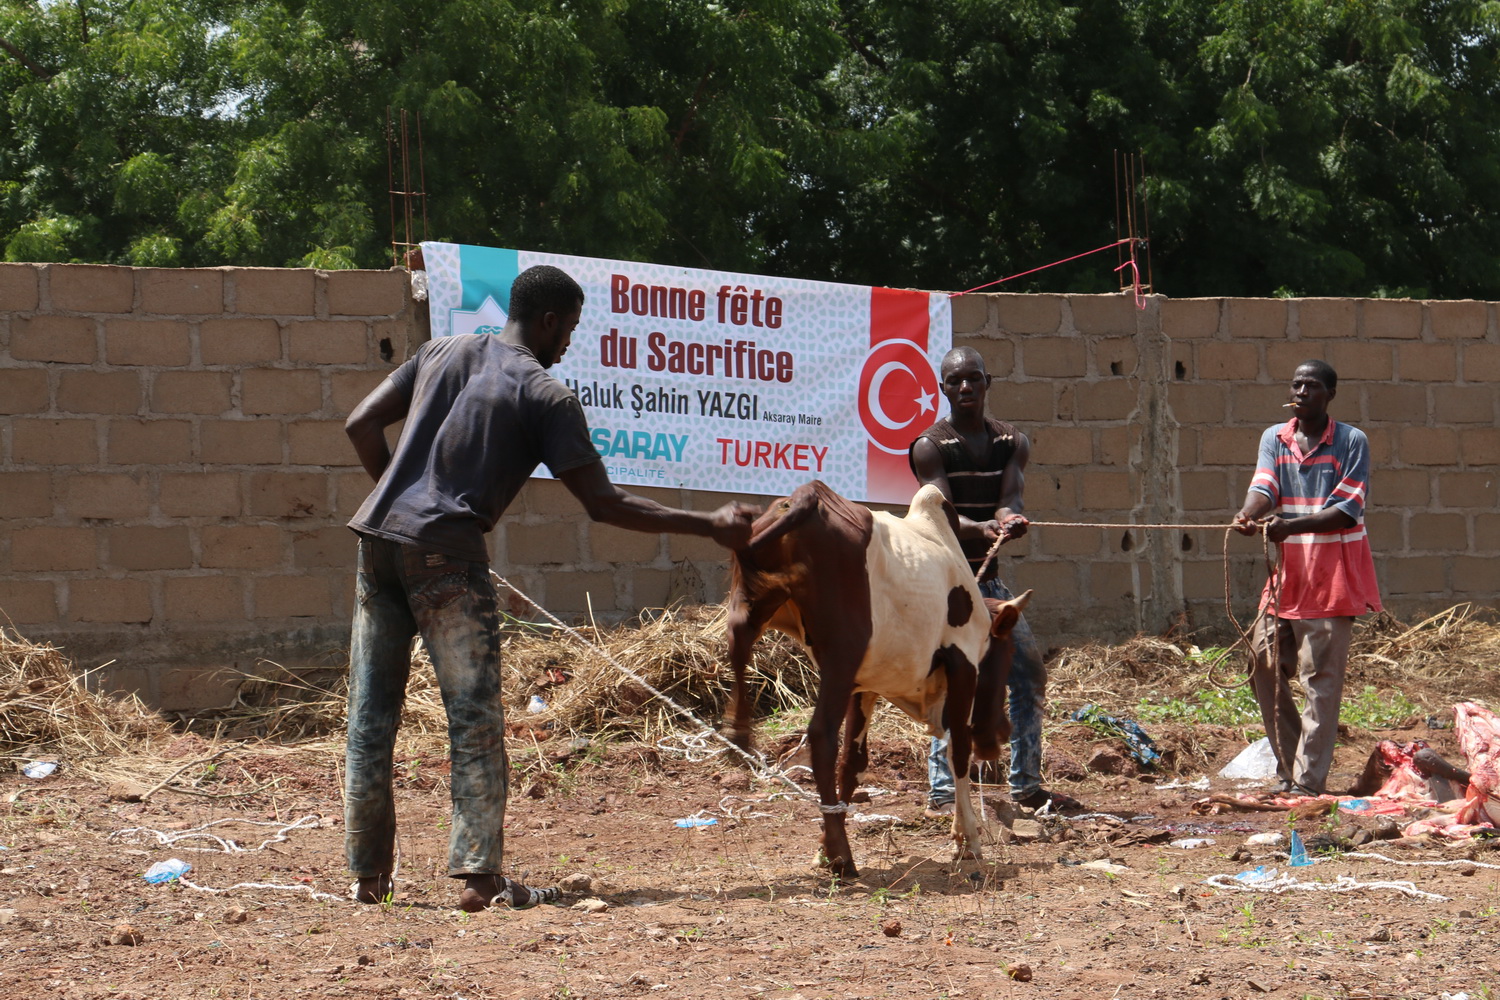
column 1027, row 696
column 403, row 591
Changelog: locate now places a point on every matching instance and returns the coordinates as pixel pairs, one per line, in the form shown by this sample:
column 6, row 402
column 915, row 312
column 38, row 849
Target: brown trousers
column 1316, row 651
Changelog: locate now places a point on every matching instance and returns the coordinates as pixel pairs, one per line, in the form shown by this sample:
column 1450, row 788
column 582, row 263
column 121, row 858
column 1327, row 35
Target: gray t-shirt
column 483, row 414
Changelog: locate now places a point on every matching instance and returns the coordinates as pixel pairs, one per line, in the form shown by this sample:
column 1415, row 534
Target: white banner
column 729, row 382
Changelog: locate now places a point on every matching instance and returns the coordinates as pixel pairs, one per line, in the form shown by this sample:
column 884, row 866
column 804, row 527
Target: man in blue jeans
column 480, row 414
column 979, row 464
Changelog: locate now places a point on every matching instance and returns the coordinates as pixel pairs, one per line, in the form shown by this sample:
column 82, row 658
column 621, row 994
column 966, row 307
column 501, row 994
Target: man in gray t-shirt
column 481, row 413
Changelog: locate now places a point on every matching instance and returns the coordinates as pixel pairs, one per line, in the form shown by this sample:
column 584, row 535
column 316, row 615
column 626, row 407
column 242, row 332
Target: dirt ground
column 733, row 909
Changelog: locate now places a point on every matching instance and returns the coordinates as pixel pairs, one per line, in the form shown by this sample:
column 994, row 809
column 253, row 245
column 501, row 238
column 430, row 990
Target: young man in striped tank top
column 1308, row 494
column 979, row 464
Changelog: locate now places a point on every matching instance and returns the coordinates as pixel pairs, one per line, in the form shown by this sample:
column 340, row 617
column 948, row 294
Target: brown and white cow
column 887, row 607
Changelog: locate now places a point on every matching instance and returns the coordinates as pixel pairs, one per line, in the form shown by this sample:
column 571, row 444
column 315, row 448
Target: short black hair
column 541, row 289
column 1324, row 372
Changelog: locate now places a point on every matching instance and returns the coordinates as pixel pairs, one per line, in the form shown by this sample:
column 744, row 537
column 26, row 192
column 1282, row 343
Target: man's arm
column 1010, row 514
column 606, row 502
column 927, row 463
column 367, row 423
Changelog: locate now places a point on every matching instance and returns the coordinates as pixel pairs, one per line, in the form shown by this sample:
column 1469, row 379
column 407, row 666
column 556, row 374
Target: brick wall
column 174, row 479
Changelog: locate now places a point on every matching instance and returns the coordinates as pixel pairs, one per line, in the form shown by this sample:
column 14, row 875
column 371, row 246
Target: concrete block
column 1282, row 359
column 99, row 392
column 1401, row 488
column 292, row 596
column 147, row 548
column 693, row 548
column 1384, row 401
column 319, row 442
column 1261, row 319
column 1062, row 445
column 239, row 341
column 1326, row 319
column 1190, row 319
column 607, row 543
column 1028, row 313
column 1218, row 361
column 1056, row 581
column 1108, row 491
column 1426, row 363
column 24, row 390
column 197, row 291
column 28, row 602
column 1428, row 446
column 240, row 442
column 163, row 342
column 1386, row 530
column 1104, row 314
column 187, row 689
column 200, row 494
column 1480, row 490
column 1480, row 446
column 1115, row 356
column 350, row 491
column 96, row 288
column 280, row 390
column 540, row 544
column 1114, row 399
column 653, row 588
column 1464, row 404
column 288, row 494
column 348, row 388
column 999, row 355
column 324, row 548
column 323, row 342
column 1054, row 357
column 19, row 284
column 240, row 546
column 366, row 293
column 1024, row 402
column 1203, row 491
column 44, row 441
column 274, row 291
column 1116, row 444
column 577, row 593
column 1473, row 575
column 1112, row 582
column 47, row 548
column 206, row 598
column 971, row 313
column 1486, row 535
column 1382, row 441
column 1414, row 575
column 114, row 601
column 110, row 495
column 1481, row 362
column 1233, row 446
column 1428, row 532
column 1390, row 319
column 1459, row 320
column 56, row 339
column 148, row 442
column 1195, row 403
column 191, row 392
column 1360, row 361
column 1090, row 542
column 25, row 494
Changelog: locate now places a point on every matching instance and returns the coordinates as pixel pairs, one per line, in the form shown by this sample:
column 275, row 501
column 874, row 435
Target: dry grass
column 47, row 711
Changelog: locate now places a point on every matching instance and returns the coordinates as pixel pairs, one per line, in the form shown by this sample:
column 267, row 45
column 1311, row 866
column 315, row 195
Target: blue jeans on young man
column 403, row 591
column 1026, row 696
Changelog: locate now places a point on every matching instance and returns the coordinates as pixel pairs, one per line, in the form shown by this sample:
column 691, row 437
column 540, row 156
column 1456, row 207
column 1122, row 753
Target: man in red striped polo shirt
column 1308, row 493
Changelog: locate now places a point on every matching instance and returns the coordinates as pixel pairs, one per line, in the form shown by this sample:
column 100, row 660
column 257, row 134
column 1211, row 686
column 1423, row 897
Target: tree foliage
column 1291, row 146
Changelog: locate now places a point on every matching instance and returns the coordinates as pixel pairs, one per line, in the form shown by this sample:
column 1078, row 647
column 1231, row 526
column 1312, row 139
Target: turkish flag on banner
column 898, row 390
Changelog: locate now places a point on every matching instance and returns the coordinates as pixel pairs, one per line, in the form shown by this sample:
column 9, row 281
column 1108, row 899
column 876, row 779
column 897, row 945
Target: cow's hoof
column 840, row 868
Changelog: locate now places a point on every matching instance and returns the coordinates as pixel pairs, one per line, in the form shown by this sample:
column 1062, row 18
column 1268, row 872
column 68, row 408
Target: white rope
column 225, row 846
column 315, row 894
column 756, row 761
column 1344, row 883
column 1393, row 861
column 694, row 749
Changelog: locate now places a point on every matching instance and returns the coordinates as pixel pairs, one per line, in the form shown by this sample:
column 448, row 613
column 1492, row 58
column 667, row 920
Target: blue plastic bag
column 166, row 871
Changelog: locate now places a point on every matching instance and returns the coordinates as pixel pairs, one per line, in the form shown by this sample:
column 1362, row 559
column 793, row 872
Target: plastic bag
column 1257, row 762
column 167, row 871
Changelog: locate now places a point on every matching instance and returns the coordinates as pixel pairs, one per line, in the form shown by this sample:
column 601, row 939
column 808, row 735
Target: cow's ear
column 1004, row 617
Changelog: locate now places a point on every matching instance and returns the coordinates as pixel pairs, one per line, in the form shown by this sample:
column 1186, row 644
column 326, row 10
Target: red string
column 1013, row 277
column 1135, row 280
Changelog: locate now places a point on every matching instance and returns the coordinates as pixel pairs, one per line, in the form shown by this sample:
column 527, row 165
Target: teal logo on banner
column 485, row 276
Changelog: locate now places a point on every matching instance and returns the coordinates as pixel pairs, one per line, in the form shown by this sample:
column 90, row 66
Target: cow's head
column 991, row 724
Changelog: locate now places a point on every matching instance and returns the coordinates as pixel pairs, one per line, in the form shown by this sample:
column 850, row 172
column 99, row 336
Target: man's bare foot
column 373, row 889
column 483, row 891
